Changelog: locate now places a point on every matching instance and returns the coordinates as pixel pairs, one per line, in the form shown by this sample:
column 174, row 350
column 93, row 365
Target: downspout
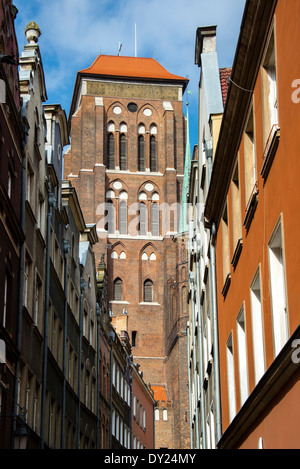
column 66, row 250
column 200, row 339
column 51, row 205
column 215, row 322
column 189, row 380
column 20, row 294
column 111, row 340
column 197, row 442
column 131, row 402
column 98, row 313
column 82, row 288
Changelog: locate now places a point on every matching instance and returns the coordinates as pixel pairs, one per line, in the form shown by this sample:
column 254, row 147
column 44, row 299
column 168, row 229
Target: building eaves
column 258, row 15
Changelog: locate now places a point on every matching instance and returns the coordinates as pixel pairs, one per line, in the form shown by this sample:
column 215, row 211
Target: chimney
column 205, row 42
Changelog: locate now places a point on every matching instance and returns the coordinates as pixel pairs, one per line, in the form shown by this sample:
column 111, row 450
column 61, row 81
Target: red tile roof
column 130, row 67
column 224, row 79
column 160, row 393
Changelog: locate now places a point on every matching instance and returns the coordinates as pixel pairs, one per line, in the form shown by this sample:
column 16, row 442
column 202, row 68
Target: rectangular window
column 269, row 90
column 230, row 378
column 249, row 157
column 278, row 290
column 225, row 246
column 257, row 328
column 242, row 356
column 236, row 212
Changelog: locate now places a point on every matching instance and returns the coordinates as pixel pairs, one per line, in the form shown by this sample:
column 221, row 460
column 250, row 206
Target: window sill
column 270, row 151
column 251, row 207
column 226, row 285
column 237, row 252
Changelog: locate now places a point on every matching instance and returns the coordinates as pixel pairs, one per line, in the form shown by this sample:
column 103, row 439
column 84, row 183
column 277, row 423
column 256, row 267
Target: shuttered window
column 153, row 154
column 142, row 219
column 141, row 153
column 154, row 219
column 111, row 151
column 118, row 289
column 123, row 152
column 123, row 217
column 148, row 291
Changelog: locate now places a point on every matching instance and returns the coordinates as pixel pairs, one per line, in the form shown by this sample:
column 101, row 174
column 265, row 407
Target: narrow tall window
column 278, row 290
column 154, row 219
column 141, row 153
column 118, row 289
column 123, row 152
column 148, row 291
column 123, row 217
column 236, row 208
column 225, row 246
column 269, row 90
column 110, row 216
column 249, row 157
column 230, row 378
column 153, row 154
column 111, row 151
column 143, row 225
column 242, row 354
column 257, row 328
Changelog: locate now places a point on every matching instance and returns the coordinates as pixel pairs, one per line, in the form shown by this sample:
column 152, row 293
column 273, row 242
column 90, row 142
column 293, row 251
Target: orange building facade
column 253, row 210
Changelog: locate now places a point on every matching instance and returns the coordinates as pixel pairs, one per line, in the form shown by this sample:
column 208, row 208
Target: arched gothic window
column 153, row 154
column 141, row 153
column 154, row 219
column 143, row 225
column 110, row 151
column 123, row 152
column 118, row 289
column 123, row 217
column 148, row 291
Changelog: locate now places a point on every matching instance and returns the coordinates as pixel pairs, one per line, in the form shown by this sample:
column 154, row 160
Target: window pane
column 118, row 289
column 123, row 218
column 123, row 152
column 153, row 154
column 155, row 219
column 111, row 151
column 148, row 291
column 141, row 153
column 143, row 219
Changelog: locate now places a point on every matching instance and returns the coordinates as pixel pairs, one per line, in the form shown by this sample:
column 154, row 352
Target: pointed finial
column 32, row 32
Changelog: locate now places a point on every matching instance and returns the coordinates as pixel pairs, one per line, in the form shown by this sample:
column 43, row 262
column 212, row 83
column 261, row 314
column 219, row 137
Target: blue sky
column 75, row 32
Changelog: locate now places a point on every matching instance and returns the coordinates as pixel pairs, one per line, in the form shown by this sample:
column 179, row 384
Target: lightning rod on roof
column 135, row 43
column 120, row 47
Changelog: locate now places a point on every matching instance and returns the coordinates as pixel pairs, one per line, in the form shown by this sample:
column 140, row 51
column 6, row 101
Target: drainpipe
column 66, row 251
column 189, row 378
column 131, row 401
column 200, row 339
column 215, row 337
column 111, row 340
column 82, row 288
column 51, row 205
column 215, row 320
column 197, row 442
column 20, row 294
column 98, row 313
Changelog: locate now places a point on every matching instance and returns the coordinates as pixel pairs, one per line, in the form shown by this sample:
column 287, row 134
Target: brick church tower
column 126, row 161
